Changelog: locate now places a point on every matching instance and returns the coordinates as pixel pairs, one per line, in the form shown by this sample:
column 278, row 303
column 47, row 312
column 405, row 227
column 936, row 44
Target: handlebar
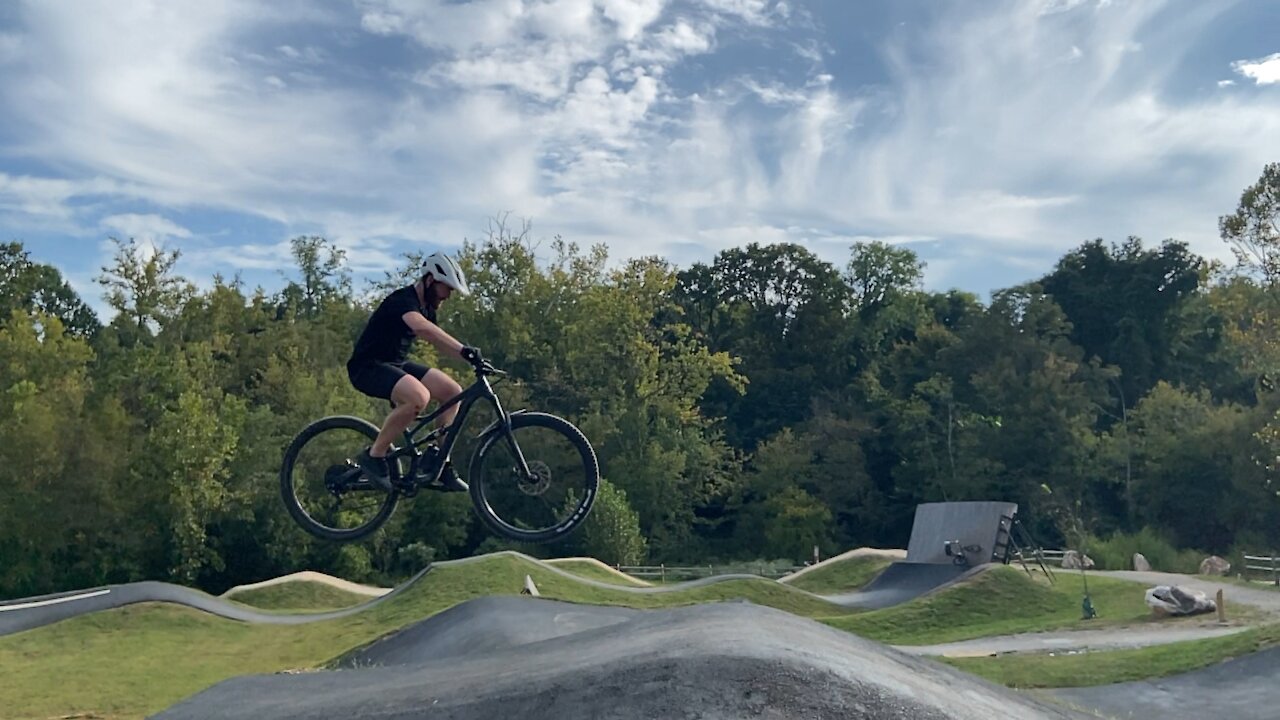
column 479, row 364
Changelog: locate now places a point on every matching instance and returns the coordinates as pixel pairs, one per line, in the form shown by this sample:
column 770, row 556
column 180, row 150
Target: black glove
column 470, row 354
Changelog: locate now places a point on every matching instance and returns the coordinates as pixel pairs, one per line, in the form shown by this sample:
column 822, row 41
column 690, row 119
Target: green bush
column 611, row 533
column 1116, row 552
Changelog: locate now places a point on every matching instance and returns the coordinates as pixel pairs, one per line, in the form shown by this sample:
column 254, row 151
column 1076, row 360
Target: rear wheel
column 553, row 498
column 323, row 489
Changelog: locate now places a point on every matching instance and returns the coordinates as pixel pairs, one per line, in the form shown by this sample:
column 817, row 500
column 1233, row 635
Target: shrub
column 1116, row 552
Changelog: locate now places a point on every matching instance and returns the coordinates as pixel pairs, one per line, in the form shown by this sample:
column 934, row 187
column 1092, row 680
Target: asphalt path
column 714, row 661
column 1070, row 641
column 1244, row 688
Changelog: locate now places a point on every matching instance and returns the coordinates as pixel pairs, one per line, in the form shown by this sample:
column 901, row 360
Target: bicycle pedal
column 437, row 487
column 444, row 484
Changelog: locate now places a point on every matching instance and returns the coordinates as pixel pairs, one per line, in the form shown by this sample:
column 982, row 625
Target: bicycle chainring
column 334, row 481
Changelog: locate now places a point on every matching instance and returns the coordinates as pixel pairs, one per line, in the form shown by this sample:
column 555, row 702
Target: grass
column 761, row 592
column 1001, row 601
column 138, row 660
column 1255, row 583
column 298, row 596
column 1101, row 668
column 842, row 576
column 594, row 571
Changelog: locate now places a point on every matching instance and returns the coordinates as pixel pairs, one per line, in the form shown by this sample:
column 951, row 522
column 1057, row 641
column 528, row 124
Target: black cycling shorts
column 377, row 379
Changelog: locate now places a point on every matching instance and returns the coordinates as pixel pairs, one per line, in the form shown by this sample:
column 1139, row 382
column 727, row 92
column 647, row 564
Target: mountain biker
column 379, row 366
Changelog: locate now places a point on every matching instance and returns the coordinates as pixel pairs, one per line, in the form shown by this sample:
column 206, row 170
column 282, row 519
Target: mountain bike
column 532, row 476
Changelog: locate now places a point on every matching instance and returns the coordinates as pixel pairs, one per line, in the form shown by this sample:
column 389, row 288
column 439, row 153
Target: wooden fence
column 1267, row 564
column 693, row 572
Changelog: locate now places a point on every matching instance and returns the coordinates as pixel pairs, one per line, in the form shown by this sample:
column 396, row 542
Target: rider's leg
column 443, row 388
column 410, row 397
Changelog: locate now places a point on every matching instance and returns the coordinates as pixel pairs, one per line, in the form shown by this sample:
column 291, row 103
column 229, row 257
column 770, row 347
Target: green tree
column 1123, row 306
column 188, row 451
column 1188, row 460
column 878, row 272
column 611, row 533
column 37, row 288
column 1037, row 401
column 142, row 285
column 324, row 279
column 781, row 310
column 1253, row 230
column 43, row 386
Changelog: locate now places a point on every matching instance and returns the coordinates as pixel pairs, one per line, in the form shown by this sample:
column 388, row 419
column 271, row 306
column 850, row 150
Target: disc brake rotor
column 539, row 481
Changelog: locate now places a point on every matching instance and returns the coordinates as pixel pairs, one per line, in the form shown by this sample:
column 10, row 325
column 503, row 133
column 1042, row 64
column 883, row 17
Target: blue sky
column 990, row 136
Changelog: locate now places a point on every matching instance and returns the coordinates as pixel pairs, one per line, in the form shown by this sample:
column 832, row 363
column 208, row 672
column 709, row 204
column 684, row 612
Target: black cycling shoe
column 375, row 468
column 447, row 482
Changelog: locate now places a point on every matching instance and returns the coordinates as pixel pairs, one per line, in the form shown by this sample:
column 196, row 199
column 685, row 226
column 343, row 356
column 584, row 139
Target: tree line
column 750, row 407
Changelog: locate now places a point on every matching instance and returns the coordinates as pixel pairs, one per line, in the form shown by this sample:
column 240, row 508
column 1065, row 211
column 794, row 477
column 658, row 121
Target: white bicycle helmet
column 446, row 270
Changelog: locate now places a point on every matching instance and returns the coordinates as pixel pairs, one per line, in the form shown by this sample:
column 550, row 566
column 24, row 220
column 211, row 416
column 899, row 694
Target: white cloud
column 545, row 77
column 669, row 44
column 632, row 16
column 37, row 196
column 755, row 12
column 149, row 227
column 542, row 48
column 10, row 47
column 776, row 93
column 1226, row 83
column 566, row 111
column 1035, row 151
column 49, row 199
column 1264, row 71
column 1053, row 7
column 596, row 107
column 308, row 55
column 442, row 24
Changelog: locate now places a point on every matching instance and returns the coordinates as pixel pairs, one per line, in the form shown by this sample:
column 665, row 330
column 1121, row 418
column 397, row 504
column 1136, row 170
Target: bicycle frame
column 479, row 390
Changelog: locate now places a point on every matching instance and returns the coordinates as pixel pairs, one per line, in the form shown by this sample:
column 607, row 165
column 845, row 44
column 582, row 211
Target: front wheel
column 322, row 488
column 556, row 494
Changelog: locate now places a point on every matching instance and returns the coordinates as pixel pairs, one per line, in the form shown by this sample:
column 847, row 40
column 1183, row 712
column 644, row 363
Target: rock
column 1140, row 563
column 1177, row 600
column 1214, row 565
column 1071, row 560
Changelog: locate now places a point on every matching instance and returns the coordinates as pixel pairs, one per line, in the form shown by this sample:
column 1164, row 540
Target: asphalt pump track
column 523, row 657
column 507, row 656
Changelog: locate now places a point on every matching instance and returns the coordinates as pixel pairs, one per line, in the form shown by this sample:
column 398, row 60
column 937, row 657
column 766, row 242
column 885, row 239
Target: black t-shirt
column 386, row 337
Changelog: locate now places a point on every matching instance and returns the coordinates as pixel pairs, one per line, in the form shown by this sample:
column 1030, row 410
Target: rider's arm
column 432, row 333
